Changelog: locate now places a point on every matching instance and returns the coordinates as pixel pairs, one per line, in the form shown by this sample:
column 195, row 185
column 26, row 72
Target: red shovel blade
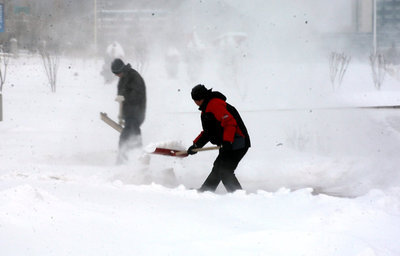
column 170, row 152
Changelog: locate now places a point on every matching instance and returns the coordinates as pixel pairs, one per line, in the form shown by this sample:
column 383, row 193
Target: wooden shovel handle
column 197, row 150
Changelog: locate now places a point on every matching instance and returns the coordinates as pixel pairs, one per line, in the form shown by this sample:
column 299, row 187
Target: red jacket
column 221, row 122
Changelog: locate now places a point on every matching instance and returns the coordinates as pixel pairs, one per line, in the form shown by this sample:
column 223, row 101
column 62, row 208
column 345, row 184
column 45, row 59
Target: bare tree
column 377, row 62
column 50, row 64
column 338, row 64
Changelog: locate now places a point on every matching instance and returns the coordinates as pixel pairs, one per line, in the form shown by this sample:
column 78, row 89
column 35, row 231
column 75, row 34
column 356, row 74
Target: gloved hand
column 226, row 146
column 190, row 149
column 120, row 98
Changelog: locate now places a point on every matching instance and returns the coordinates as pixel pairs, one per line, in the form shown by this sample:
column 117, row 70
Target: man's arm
column 228, row 122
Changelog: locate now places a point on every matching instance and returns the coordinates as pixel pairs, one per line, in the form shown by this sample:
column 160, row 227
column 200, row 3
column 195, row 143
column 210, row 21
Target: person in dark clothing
column 222, row 126
column 132, row 99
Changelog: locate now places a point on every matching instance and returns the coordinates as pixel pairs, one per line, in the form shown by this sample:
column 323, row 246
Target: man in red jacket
column 222, row 126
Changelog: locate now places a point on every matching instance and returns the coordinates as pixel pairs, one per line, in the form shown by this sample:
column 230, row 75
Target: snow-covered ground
column 317, row 181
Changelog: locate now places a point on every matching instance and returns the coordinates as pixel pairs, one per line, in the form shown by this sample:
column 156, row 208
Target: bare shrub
column 50, row 64
column 377, row 61
column 338, row 63
column 4, row 59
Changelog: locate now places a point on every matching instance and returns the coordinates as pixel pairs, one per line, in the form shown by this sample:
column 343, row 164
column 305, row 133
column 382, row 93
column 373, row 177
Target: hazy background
column 274, row 28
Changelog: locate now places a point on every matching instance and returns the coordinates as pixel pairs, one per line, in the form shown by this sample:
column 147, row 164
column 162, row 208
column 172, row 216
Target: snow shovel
column 178, row 153
column 110, row 122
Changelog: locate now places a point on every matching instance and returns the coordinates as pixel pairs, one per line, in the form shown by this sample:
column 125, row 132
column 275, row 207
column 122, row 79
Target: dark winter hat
column 117, row 66
column 199, row 92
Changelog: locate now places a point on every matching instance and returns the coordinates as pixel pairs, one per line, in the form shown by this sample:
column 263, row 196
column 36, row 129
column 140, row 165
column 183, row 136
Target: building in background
column 387, row 21
column 78, row 27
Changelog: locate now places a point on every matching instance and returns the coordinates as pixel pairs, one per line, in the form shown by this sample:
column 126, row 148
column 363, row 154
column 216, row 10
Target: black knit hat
column 200, row 92
column 117, row 66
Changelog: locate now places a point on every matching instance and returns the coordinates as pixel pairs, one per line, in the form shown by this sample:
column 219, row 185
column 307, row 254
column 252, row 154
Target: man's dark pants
column 223, row 170
column 130, row 138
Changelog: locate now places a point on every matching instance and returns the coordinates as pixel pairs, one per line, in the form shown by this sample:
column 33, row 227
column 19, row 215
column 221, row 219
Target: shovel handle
column 197, row 150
